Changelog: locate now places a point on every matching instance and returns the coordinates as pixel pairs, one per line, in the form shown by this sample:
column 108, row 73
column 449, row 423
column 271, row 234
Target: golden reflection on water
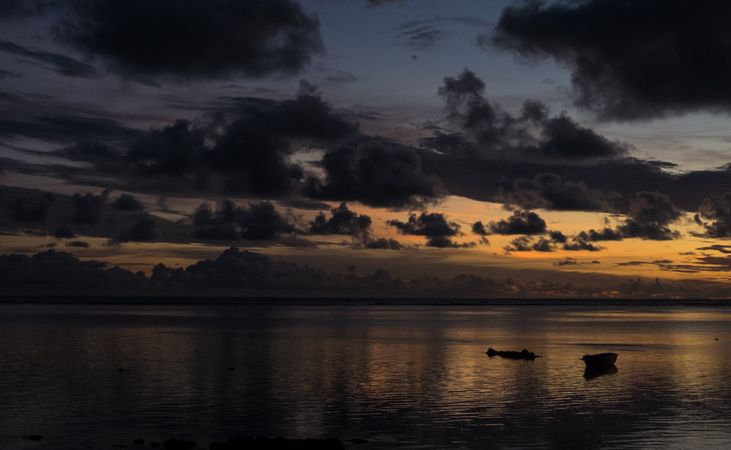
column 398, row 376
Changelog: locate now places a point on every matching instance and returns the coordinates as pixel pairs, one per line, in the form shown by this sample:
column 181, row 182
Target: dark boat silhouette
column 523, row 354
column 599, row 362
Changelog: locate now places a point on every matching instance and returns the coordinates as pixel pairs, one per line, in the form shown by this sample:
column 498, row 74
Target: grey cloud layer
column 630, row 59
column 190, row 39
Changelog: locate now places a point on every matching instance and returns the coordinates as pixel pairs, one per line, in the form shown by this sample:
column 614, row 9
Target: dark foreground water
column 400, row 377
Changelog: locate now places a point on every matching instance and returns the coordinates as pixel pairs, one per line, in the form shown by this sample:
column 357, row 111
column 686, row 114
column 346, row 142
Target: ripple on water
column 406, row 377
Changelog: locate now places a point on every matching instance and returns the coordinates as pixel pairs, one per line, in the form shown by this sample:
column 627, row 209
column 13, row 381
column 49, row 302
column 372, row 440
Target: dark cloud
column 605, row 234
column 557, row 236
column 62, row 64
column 533, row 135
column 259, row 221
column 611, row 182
column 725, row 249
column 479, row 228
column 567, row 262
column 435, row 227
column 235, row 269
column 8, row 74
column 465, row 101
column 527, row 244
column 83, row 126
column 87, row 214
column 91, row 152
column 530, row 160
column 701, row 264
column 77, row 244
column 12, row 9
column 251, row 274
column 455, row 146
column 145, row 230
column 378, row 173
column 64, row 232
column 64, row 128
column 715, row 216
column 218, row 232
column 692, row 188
column 256, row 145
column 245, row 149
column 630, row 60
column 170, row 150
column 520, row 244
column 562, row 138
column 127, row 202
column 341, row 221
column 578, row 243
column 573, row 262
column 550, row 191
column 32, row 209
column 304, row 203
column 193, row 39
column 88, row 208
column 383, row 244
column 715, row 263
column 467, row 169
column 650, row 213
column 53, row 270
column 520, row 222
column 649, row 216
column 541, row 244
column 584, row 240
column 46, row 118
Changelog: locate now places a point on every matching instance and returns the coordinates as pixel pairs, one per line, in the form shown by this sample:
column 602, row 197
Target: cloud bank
column 630, row 60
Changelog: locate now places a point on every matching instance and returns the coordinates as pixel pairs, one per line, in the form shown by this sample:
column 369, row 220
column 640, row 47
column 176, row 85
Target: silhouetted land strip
column 202, row 299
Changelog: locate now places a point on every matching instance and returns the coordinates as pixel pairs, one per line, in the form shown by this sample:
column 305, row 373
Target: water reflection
column 590, row 374
column 397, row 376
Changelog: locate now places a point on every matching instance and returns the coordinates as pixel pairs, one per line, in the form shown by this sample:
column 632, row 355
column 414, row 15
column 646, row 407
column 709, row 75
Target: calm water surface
column 398, row 376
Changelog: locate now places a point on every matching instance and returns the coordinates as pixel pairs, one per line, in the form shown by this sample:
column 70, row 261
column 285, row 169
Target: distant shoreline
column 202, row 300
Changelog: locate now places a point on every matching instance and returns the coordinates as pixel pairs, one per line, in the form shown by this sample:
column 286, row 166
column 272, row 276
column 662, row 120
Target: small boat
column 524, row 354
column 599, row 361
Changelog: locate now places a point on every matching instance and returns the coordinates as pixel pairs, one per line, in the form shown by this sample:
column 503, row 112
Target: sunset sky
column 576, row 142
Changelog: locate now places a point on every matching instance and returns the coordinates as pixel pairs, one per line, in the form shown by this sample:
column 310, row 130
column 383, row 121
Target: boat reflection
column 591, row 373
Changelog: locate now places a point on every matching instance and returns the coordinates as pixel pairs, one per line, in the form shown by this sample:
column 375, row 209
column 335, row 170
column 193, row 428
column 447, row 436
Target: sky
column 397, row 147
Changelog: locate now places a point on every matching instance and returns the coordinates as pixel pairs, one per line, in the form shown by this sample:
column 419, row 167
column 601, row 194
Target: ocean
column 406, row 376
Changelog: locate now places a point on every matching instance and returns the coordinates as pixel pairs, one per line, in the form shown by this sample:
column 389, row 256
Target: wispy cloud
column 62, row 64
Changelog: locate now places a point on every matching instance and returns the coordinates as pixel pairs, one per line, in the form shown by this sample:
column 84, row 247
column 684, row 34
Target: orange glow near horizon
column 667, row 260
